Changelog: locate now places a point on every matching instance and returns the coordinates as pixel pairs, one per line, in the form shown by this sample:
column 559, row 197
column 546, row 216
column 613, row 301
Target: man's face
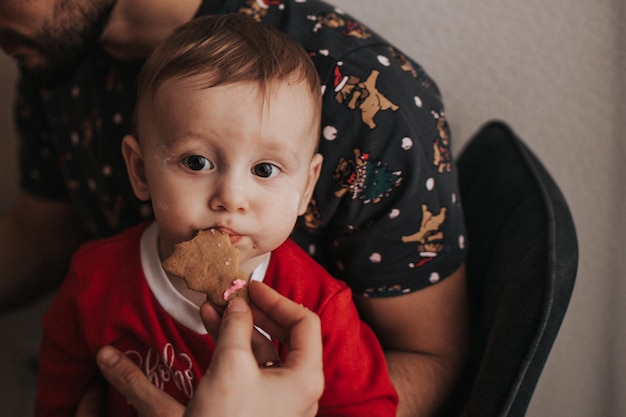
column 47, row 38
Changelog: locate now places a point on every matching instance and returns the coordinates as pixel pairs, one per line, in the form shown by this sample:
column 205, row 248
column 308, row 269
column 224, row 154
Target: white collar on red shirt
column 180, row 308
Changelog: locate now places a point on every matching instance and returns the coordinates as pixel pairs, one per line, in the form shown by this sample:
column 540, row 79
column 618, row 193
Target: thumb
column 127, row 378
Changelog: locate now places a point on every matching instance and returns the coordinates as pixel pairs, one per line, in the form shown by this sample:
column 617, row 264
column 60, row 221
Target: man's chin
column 46, row 75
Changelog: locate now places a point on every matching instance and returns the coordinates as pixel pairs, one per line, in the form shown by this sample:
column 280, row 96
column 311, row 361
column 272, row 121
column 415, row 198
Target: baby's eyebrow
column 184, row 137
column 164, row 150
column 283, row 148
column 181, row 136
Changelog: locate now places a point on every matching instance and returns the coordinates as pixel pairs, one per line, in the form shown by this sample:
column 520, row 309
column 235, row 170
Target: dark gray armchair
column 522, row 262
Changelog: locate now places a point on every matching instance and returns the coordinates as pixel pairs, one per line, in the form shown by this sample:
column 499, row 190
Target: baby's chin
column 250, row 260
column 248, row 264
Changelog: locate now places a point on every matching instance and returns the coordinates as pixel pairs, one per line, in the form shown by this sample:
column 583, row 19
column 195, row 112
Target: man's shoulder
column 332, row 32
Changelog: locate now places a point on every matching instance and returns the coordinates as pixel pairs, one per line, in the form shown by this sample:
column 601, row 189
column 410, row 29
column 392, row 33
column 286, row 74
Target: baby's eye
column 265, row 170
column 196, row 163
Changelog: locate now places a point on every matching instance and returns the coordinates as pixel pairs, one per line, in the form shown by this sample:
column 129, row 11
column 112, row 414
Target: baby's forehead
column 184, row 101
column 263, row 91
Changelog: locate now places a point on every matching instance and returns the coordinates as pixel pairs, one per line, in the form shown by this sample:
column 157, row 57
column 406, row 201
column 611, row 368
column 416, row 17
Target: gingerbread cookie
column 209, row 263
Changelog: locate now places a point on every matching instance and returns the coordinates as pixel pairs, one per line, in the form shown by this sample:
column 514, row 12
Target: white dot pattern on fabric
column 375, row 258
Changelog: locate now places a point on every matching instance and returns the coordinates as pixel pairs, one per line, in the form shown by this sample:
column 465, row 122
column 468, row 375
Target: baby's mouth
column 233, row 235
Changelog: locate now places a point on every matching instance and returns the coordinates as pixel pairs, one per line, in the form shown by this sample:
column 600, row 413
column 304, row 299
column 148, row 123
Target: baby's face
column 226, row 157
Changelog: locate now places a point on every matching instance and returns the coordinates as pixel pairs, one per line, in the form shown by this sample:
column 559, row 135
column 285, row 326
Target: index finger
column 293, row 324
column 235, row 327
column 233, row 350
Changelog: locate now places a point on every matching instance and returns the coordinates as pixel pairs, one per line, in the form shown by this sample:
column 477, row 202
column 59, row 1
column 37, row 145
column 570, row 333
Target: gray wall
column 554, row 70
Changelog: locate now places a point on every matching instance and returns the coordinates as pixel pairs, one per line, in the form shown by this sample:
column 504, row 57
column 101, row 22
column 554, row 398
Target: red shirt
column 106, row 299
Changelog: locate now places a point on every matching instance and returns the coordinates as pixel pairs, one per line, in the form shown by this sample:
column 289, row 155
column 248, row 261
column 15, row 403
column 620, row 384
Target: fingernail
column 238, row 305
column 108, row 357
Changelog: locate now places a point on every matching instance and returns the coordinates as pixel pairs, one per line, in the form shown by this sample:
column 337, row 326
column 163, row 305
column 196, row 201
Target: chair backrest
column 522, row 262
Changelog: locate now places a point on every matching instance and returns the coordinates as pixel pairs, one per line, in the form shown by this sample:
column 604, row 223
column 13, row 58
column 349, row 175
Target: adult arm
column 402, row 249
column 38, row 238
column 425, row 336
column 291, row 390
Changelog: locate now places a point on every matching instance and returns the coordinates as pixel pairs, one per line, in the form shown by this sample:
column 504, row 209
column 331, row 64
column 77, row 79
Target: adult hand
column 127, row 378
column 234, row 384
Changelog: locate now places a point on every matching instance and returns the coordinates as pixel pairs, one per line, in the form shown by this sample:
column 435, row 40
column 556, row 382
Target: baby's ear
column 135, row 166
column 314, row 174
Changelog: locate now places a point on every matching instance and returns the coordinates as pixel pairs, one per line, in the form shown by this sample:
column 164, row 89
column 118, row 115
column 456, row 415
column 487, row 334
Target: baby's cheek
column 295, row 202
column 160, row 205
column 293, row 206
column 284, row 208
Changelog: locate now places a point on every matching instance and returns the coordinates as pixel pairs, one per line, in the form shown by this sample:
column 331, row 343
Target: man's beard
column 64, row 43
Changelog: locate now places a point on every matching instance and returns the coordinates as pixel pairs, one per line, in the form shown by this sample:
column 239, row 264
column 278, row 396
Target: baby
column 227, row 122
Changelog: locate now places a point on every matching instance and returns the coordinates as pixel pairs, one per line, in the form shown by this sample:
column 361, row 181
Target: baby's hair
column 225, row 49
